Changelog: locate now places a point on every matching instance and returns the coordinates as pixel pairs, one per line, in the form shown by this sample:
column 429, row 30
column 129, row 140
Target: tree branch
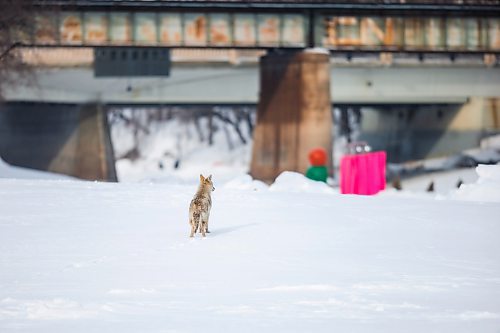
column 234, row 124
column 10, row 48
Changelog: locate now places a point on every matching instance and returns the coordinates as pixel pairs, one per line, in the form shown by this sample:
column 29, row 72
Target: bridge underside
column 225, row 84
column 229, row 84
column 385, row 28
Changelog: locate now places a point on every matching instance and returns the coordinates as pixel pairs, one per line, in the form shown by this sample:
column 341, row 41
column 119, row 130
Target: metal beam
column 339, row 32
column 488, row 8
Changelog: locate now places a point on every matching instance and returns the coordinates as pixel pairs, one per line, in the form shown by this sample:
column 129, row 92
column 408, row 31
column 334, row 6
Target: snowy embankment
column 295, row 257
column 9, row 171
column 486, row 188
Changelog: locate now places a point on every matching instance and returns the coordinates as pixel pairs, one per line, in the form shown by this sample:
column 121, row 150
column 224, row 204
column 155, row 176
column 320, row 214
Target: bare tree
column 16, row 24
column 226, row 117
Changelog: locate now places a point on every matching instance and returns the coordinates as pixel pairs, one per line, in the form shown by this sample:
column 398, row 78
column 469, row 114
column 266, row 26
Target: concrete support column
column 63, row 138
column 88, row 153
column 294, row 113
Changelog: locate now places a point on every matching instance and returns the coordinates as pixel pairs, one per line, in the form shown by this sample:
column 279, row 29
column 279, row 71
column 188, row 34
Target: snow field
column 295, row 257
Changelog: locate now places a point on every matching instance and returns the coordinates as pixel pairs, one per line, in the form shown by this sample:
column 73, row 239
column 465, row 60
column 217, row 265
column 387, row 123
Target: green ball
column 319, row 173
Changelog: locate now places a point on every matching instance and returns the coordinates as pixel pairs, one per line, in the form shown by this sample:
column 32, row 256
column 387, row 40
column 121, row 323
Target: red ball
column 317, row 157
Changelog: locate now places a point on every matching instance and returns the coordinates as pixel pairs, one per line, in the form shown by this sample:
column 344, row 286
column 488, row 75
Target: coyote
column 199, row 209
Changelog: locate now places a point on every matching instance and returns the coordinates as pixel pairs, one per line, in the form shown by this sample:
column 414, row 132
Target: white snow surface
column 177, row 140
column 80, row 256
column 486, row 188
column 9, row 171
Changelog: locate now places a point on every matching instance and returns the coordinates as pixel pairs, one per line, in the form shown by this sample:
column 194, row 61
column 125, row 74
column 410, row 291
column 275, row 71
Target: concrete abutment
column 63, row 138
column 293, row 113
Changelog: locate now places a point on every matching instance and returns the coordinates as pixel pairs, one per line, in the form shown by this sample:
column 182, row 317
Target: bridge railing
column 266, row 30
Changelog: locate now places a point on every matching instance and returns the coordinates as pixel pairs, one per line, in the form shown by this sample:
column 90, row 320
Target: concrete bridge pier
column 70, row 139
column 294, row 113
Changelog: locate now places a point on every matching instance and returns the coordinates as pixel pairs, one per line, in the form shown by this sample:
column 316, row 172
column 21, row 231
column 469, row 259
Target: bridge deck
column 362, row 26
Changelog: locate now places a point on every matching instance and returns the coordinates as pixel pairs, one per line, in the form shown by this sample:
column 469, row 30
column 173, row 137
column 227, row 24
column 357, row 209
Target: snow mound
column 486, row 155
column 245, row 182
column 486, row 188
column 14, row 172
column 488, row 172
column 289, row 181
column 317, row 50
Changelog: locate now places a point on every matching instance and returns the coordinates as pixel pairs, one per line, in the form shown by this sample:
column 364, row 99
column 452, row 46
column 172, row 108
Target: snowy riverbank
column 294, row 257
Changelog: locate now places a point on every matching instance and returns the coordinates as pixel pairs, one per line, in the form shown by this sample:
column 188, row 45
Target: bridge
column 292, row 85
column 367, row 26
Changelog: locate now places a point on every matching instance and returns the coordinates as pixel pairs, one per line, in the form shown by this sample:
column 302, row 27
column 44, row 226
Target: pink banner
column 362, row 173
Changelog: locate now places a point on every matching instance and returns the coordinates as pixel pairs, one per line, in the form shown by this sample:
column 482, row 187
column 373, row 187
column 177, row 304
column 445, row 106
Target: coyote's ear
column 201, row 178
column 209, row 177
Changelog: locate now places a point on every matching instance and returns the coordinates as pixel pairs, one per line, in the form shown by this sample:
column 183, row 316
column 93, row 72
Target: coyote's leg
column 206, row 224
column 194, row 226
column 203, row 228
